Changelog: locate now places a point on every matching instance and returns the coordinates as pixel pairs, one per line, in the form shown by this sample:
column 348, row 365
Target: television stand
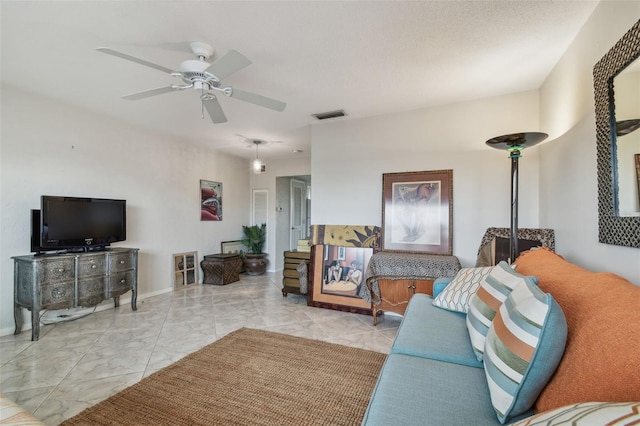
column 69, row 280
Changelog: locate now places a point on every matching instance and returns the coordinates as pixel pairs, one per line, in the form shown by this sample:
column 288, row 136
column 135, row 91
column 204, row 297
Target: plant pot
column 255, row 264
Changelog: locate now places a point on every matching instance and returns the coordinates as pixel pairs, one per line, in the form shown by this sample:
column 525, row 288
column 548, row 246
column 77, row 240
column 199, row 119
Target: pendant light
column 258, row 165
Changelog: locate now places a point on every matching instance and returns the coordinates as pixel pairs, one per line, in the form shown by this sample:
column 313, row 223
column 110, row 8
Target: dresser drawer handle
column 61, row 270
column 122, row 262
column 93, row 266
column 123, row 281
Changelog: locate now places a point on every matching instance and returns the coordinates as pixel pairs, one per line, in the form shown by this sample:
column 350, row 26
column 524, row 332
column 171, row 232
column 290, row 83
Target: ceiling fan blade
column 134, row 59
column 258, row 100
column 148, row 93
column 228, row 64
column 215, row 111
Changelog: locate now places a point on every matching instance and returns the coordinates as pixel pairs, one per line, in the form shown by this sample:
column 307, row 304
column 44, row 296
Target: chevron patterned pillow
column 457, row 295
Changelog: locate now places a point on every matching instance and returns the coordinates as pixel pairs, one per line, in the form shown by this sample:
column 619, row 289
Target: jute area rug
column 249, row 377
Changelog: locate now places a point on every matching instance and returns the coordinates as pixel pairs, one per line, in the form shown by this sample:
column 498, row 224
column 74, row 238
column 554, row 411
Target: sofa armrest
column 439, row 284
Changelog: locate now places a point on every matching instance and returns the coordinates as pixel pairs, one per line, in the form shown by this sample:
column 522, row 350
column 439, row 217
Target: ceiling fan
column 198, row 74
column 250, row 142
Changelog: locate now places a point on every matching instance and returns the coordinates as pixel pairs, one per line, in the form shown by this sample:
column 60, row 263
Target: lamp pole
column 514, row 144
column 514, row 154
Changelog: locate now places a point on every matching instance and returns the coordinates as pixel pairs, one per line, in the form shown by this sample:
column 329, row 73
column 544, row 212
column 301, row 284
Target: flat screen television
column 80, row 224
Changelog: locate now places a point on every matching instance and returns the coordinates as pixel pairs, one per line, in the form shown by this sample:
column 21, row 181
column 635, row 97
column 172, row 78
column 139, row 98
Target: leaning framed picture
column 417, row 212
column 234, row 247
column 335, row 282
column 210, row 200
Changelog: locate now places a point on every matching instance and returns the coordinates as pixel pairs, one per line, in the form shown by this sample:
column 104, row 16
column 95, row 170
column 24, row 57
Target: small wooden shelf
column 185, row 269
column 290, row 276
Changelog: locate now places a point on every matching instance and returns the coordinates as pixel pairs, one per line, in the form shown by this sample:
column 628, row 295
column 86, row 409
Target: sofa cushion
column 493, row 291
column 440, row 284
column 587, row 413
column 602, row 358
column 456, row 295
column 430, row 332
column 420, row 391
column 524, row 345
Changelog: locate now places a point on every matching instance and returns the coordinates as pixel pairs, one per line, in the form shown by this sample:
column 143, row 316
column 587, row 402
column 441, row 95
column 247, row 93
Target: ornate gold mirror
column 618, row 225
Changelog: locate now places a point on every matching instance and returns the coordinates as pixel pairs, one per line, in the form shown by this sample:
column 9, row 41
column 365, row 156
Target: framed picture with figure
column 417, row 212
column 335, row 282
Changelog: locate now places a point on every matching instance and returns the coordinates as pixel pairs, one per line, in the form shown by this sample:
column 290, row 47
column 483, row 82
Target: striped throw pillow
column 494, row 289
column 587, row 413
column 457, row 295
column 523, row 348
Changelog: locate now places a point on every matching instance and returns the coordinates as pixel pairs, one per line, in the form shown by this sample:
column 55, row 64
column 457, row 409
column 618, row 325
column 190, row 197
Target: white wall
column 349, row 158
column 568, row 171
column 49, row 148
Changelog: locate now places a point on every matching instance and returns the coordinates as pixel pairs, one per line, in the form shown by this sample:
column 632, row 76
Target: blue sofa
column 431, row 376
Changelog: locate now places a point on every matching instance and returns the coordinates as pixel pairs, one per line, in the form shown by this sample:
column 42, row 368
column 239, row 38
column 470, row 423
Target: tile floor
column 78, row 363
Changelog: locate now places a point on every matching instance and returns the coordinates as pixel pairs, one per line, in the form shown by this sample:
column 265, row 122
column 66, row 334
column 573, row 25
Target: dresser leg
column 17, row 317
column 134, row 297
column 116, row 301
column 35, row 324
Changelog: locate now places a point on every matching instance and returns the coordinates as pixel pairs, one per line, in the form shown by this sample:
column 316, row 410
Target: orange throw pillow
column 602, row 356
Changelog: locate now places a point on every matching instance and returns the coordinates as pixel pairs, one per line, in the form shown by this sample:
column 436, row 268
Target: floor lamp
column 515, row 143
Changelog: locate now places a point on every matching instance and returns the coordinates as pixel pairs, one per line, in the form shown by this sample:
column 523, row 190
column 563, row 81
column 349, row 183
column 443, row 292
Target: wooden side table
column 221, row 269
column 393, row 278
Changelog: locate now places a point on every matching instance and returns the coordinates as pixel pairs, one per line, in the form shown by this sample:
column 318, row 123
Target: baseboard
column 107, row 304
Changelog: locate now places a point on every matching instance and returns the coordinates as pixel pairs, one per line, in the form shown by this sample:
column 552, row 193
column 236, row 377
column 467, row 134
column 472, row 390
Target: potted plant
column 255, row 261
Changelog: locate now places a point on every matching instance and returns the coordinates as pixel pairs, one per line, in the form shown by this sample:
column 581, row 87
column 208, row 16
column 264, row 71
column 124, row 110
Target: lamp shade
column 517, row 141
column 625, row 127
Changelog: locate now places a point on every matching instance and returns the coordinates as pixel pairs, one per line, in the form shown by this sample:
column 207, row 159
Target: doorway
column 293, row 209
column 298, row 209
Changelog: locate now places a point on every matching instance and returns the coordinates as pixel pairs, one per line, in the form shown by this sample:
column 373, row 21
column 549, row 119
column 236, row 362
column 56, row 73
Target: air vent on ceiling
column 331, row 114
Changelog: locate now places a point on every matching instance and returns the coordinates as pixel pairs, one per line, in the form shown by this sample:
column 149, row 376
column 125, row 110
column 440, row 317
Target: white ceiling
column 368, row 58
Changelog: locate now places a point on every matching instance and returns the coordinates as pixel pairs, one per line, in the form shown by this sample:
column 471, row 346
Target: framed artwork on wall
column 417, row 212
column 210, row 200
column 335, row 282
